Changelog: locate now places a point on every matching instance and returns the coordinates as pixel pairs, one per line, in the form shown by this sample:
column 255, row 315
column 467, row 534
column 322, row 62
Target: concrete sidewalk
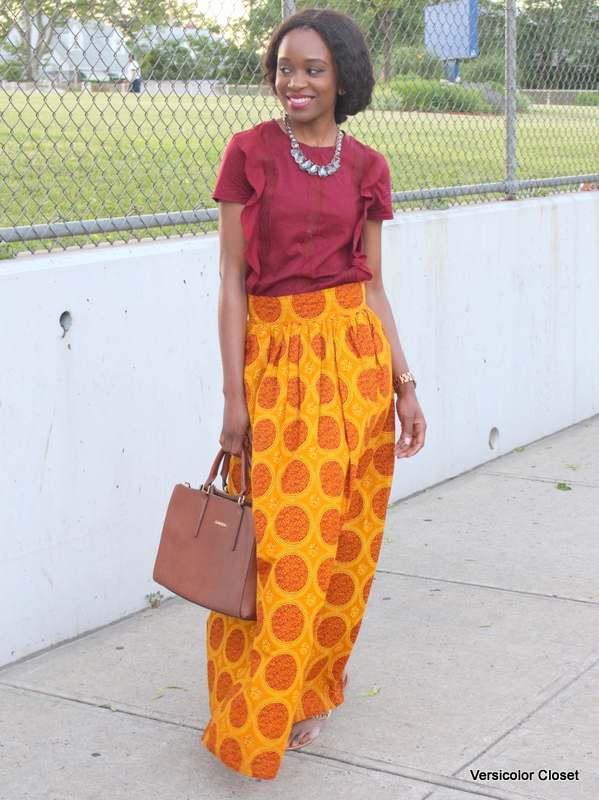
column 482, row 632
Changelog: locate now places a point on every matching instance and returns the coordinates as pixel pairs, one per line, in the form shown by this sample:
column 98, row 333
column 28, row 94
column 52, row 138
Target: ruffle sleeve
column 258, row 162
column 375, row 192
column 231, row 182
column 381, row 206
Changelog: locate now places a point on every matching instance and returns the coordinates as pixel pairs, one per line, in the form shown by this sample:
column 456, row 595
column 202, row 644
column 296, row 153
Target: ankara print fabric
column 320, row 398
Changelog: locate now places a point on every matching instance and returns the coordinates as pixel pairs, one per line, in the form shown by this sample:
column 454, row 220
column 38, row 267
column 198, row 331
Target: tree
column 241, row 64
column 191, row 58
column 34, row 21
column 385, row 23
column 252, row 31
column 558, row 44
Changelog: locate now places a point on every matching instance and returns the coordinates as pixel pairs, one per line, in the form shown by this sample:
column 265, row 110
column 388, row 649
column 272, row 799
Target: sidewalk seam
column 539, row 478
column 513, row 721
column 99, row 702
column 488, row 586
column 528, row 710
column 420, row 775
column 361, row 762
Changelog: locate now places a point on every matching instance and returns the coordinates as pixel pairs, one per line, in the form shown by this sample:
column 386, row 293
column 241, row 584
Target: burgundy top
column 303, row 233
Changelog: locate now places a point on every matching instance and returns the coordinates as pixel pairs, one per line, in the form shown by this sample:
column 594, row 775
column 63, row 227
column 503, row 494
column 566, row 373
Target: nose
column 297, row 80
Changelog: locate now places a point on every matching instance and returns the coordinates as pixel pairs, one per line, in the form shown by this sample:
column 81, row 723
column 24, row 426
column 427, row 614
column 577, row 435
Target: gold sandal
column 323, row 716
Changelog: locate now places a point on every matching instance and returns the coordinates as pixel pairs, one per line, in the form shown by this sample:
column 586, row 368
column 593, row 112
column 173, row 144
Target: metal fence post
column 510, row 98
column 287, row 8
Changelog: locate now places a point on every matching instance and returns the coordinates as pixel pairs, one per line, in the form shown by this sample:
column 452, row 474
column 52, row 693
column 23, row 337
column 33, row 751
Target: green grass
column 80, row 156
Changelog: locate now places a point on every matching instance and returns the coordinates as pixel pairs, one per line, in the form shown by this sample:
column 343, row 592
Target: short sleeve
column 232, row 183
column 381, row 207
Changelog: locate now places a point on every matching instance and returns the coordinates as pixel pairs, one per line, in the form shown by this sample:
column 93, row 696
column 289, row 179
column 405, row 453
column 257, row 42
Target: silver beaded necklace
column 305, row 164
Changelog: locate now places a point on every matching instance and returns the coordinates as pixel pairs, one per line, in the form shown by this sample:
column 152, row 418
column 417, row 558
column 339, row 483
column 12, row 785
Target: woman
column 310, row 358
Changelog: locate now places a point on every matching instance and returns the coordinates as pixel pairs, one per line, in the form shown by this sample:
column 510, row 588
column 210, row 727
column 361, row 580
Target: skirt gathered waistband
column 315, row 307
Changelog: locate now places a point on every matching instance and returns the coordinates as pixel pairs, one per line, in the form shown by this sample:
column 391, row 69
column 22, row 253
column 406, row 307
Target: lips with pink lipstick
column 299, row 101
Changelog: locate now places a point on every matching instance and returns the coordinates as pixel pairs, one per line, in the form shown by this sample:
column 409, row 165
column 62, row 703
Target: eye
column 284, row 70
column 314, row 71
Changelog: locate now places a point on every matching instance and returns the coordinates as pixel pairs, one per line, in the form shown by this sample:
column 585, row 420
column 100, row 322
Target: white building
column 79, row 51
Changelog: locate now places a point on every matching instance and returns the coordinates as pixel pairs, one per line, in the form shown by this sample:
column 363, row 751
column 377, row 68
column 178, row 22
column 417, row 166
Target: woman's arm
column 413, row 425
column 232, row 323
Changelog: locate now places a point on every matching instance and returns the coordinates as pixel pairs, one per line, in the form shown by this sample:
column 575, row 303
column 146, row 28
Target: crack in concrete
column 489, row 586
column 539, row 478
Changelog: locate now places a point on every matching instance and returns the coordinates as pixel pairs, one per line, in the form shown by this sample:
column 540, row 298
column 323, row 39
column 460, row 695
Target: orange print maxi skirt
column 320, row 398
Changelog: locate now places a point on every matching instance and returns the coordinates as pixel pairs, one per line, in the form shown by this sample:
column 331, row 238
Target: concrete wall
column 497, row 310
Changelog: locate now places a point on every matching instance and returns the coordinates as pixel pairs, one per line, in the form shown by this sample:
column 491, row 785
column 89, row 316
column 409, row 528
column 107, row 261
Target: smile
column 299, row 102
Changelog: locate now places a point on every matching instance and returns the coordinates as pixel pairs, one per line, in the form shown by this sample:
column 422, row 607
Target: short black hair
column 351, row 58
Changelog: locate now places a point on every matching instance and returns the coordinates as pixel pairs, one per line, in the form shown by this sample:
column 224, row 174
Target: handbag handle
column 224, row 471
column 226, row 459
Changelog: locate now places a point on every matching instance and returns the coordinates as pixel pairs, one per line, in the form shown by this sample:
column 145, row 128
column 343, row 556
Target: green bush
column 484, row 69
column 416, row 61
column 412, row 93
column 586, row 99
column 523, row 103
column 386, row 98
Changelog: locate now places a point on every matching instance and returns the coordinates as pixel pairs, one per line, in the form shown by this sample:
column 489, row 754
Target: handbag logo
column 218, row 522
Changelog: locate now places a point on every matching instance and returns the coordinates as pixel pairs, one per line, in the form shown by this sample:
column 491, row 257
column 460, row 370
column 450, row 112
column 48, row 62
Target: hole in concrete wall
column 66, row 320
column 493, row 438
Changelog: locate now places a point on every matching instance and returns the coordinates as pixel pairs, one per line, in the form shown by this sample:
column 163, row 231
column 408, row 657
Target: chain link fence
column 114, row 116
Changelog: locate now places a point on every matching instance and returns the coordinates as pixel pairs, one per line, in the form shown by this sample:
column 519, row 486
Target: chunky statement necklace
column 305, row 164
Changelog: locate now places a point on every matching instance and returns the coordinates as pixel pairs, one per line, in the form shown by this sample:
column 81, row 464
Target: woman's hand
column 413, row 425
column 236, row 431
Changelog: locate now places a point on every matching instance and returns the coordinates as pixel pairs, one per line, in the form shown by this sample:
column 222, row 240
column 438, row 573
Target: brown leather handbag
column 207, row 552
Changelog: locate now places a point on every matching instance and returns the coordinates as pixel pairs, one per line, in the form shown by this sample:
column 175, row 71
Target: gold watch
column 399, row 380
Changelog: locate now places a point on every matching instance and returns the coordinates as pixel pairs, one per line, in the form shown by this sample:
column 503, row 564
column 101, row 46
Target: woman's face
column 306, row 82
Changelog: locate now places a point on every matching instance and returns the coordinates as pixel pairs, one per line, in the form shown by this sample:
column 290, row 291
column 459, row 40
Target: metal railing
column 460, row 108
